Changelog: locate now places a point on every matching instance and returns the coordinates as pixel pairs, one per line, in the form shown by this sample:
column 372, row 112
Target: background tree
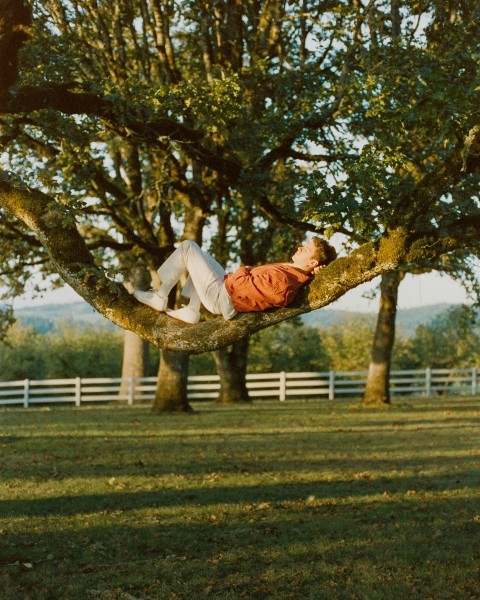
column 460, row 266
column 21, row 354
column 448, row 341
column 123, row 181
column 401, row 121
column 136, row 352
column 377, row 389
column 66, row 351
column 348, row 345
column 292, row 346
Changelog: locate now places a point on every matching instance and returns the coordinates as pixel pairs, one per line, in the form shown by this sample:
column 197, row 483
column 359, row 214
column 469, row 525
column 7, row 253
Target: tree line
column 450, row 340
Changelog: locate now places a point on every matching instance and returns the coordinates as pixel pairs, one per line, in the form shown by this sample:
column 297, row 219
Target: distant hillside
column 407, row 320
column 44, row 318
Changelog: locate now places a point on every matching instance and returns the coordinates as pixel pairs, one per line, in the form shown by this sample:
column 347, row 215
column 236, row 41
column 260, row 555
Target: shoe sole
column 151, row 305
column 181, row 320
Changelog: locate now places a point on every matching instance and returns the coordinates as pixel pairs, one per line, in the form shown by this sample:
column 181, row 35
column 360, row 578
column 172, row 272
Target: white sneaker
column 185, row 314
column 152, row 299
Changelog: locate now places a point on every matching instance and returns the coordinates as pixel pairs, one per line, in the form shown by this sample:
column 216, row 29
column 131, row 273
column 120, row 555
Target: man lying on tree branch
column 246, row 290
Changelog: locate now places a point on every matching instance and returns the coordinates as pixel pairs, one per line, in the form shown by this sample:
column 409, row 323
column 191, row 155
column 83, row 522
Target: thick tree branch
column 285, row 150
column 15, row 19
column 70, row 256
column 119, row 116
column 277, row 216
column 463, row 160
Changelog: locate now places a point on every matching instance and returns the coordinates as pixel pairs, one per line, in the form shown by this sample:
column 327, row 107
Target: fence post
column 78, row 391
column 131, row 391
column 331, row 385
column 428, row 382
column 282, row 386
column 26, row 392
column 474, row 380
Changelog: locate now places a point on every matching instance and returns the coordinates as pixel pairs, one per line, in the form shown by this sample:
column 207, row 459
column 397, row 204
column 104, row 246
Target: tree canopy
column 122, row 121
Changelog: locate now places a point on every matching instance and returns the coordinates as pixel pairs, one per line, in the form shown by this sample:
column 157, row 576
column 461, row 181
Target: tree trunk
column 377, row 390
column 171, row 395
column 135, row 349
column 135, row 359
column 232, row 368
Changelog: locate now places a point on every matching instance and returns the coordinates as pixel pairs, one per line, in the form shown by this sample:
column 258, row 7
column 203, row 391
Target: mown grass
column 304, row 500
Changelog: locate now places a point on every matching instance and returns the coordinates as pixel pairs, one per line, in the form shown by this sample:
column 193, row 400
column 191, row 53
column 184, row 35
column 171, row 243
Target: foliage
column 77, row 351
column 202, row 364
column 349, row 345
column 65, row 352
column 413, row 88
column 450, row 340
column 22, row 354
column 274, row 501
column 7, row 319
column 289, row 347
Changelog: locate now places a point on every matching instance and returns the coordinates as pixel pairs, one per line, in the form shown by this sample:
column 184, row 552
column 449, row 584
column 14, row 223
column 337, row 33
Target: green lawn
column 296, row 500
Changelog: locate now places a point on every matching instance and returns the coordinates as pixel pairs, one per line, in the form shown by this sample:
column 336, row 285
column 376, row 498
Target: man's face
column 304, row 257
column 305, row 252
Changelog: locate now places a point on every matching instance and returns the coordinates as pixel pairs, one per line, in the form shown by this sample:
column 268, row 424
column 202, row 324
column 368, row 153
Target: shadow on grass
column 347, row 550
column 336, row 491
column 56, row 457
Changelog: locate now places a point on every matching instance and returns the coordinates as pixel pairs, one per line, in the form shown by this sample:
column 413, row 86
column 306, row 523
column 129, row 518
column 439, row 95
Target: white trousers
column 205, row 279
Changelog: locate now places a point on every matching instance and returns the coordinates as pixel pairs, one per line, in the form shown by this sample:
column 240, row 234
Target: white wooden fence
column 328, row 385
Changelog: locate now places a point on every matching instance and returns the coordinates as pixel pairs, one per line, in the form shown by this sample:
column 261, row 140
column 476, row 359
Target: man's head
column 314, row 255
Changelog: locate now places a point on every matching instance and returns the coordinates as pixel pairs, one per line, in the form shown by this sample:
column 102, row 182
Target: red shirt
column 267, row 286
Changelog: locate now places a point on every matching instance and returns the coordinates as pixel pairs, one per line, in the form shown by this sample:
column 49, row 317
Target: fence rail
column 283, row 385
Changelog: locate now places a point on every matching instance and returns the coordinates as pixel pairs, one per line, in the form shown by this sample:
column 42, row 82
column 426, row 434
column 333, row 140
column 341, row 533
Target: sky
column 415, row 291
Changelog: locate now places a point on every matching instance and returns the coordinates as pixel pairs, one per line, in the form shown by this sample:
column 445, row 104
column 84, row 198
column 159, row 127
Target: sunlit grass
column 287, row 501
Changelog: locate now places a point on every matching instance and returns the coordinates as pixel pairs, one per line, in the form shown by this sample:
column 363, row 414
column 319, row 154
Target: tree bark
column 396, row 19
column 135, row 359
column 231, row 366
column 377, row 390
column 135, row 349
column 171, row 395
column 15, row 21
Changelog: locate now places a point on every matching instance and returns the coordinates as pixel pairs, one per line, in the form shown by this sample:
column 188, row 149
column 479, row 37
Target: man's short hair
column 324, row 252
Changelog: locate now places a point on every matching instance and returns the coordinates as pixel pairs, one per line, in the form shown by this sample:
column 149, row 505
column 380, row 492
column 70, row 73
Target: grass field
column 299, row 500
